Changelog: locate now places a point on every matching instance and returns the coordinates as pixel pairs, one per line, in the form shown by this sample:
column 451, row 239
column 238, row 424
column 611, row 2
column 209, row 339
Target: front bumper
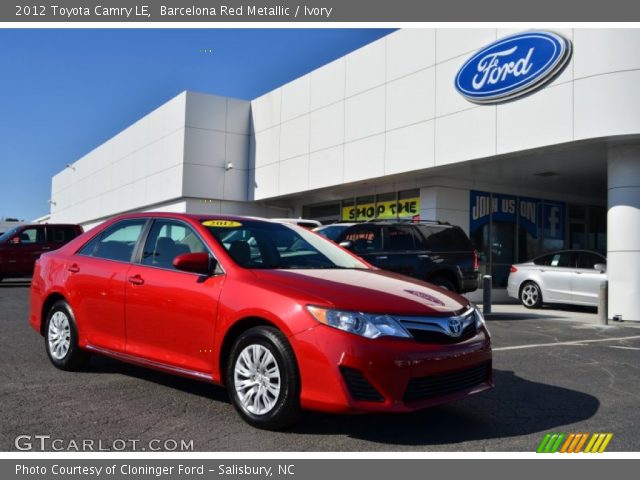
column 406, row 374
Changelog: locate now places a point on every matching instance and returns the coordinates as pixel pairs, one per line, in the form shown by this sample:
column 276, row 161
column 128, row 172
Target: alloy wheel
column 257, row 379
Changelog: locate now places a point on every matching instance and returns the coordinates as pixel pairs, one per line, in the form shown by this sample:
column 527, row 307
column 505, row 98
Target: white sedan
column 567, row 276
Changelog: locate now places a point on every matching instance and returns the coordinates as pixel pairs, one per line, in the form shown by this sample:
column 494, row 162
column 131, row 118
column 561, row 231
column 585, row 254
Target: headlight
column 363, row 324
column 479, row 317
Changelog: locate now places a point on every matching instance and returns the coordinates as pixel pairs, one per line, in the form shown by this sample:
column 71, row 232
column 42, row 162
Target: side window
column 61, row 234
column 166, row 240
column 365, row 238
column 31, row 236
column 441, row 239
column 400, row 238
column 117, row 242
column 544, row 261
column 564, row 259
column 588, row 260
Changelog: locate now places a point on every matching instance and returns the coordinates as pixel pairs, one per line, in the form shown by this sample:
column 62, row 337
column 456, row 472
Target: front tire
column 443, row 282
column 262, row 379
column 61, row 338
column 530, row 295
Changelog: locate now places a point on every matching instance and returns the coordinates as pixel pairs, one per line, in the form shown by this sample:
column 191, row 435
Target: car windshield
column 8, row 234
column 259, row 244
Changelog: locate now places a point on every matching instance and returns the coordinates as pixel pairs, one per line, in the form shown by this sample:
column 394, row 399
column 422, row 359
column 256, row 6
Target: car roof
column 189, row 216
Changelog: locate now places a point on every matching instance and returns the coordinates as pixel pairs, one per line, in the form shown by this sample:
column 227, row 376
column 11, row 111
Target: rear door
column 170, row 314
column 402, row 245
column 586, row 282
column 58, row 235
column 96, row 277
column 556, row 277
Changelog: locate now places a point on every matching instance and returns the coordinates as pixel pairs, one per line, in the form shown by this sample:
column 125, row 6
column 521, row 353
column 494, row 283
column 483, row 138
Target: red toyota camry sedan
column 284, row 318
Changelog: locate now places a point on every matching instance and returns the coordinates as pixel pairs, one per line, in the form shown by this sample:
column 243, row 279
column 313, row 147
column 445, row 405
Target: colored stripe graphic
column 574, row 442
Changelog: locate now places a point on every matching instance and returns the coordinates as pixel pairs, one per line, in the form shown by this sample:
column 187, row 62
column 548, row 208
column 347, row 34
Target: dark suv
column 21, row 246
column 436, row 252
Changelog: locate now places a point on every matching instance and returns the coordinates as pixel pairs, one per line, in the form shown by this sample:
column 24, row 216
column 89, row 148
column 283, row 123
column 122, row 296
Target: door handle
column 46, row 248
column 382, row 257
column 136, row 280
column 73, row 268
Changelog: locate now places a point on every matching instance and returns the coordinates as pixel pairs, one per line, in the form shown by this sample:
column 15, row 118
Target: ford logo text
column 512, row 67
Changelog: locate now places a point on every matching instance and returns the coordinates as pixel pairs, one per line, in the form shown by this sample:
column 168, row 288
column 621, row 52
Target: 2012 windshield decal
column 512, row 67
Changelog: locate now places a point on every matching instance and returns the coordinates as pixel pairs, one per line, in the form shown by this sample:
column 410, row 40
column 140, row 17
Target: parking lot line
column 575, row 342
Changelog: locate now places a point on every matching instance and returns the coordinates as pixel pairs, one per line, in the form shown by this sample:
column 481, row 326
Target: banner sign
column 406, row 208
column 524, row 211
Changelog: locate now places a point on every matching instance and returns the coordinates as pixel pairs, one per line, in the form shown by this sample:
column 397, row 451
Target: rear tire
column 262, row 379
column 61, row 338
column 530, row 295
column 445, row 283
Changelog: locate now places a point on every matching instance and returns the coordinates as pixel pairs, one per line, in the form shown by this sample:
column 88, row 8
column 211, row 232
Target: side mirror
column 14, row 241
column 199, row 262
column 600, row 267
column 348, row 244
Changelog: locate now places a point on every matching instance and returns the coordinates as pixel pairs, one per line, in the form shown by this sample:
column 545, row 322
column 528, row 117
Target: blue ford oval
column 512, row 67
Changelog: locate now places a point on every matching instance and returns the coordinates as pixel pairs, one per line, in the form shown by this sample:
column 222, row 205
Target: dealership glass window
column 507, row 229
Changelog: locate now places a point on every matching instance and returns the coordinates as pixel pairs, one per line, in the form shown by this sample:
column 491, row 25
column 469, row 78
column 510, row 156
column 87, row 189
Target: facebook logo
column 553, row 220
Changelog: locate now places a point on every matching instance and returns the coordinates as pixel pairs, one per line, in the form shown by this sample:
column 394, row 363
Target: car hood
column 369, row 290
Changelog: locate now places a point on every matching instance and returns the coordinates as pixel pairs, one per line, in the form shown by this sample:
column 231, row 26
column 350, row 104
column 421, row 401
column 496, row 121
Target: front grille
column 426, row 336
column 358, row 386
column 422, row 388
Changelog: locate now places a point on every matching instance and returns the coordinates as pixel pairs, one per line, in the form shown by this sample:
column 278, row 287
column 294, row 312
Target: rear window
column 62, row 234
column 441, row 239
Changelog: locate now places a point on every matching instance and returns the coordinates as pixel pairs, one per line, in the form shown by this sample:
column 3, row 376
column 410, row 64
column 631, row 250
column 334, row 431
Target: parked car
column 21, row 246
column 566, row 276
column 285, row 319
column 436, row 252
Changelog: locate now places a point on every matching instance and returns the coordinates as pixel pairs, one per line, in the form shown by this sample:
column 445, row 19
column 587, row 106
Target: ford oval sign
column 512, row 67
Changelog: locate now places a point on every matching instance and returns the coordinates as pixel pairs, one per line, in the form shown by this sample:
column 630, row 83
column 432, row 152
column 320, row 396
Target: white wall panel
column 365, row 114
column 545, row 118
column 364, row 158
column 266, row 181
column 448, row 100
column 265, row 110
column 365, row 68
column 466, row 135
column 410, row 148
column 410, row 50
column 204, row 147
column 411, row 99
column 327, row 127
column 606, row 50
column 326, row 167
column 294, row 140
column 296, row 98
column 267, row 146
column 453, row 42
column 327, row 84
column 294, row 175
column 206, row 111
column 607, row 105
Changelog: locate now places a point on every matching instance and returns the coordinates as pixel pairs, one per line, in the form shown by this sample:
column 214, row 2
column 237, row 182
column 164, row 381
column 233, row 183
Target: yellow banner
column 407, row 208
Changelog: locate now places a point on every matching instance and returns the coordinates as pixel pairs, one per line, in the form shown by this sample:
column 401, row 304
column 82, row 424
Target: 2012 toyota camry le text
column 282, row 317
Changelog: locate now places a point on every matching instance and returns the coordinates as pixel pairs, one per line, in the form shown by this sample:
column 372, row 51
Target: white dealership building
column 385, row 131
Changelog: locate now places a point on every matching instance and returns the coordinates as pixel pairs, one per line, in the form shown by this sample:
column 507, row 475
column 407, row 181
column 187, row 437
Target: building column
column 623, row 231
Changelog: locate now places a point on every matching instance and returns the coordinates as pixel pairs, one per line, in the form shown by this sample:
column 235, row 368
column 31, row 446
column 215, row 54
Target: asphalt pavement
column 554, row 369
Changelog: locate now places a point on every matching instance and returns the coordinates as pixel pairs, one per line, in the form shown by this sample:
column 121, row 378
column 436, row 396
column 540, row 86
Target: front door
column 170, row 314
column 25, row 248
